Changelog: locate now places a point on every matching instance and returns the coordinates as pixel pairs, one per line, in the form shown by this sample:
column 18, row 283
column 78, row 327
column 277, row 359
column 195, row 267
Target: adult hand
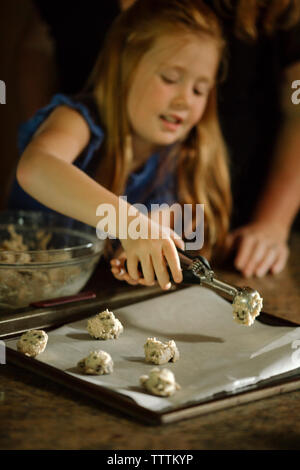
column 260, row 248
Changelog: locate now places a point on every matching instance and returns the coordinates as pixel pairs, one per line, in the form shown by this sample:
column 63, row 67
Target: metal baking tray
column 14, row 323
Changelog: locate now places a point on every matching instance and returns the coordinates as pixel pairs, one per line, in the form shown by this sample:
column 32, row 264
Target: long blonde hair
column 266, row 15
column 202, row 171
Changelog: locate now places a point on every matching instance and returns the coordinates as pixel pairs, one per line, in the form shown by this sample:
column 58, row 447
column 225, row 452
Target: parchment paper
column 216, row 354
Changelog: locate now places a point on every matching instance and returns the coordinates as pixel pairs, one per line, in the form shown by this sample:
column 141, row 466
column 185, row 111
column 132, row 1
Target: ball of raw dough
column 246, row 309
column 32, row 342
column 96, row 363
column 160, row 382
column 104, row 326
column 160, row 353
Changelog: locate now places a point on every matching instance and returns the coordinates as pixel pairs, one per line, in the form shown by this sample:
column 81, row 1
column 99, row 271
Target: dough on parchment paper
column 32, row 342
column 160, row 353
column 104, row 326
column 160, row 382
column 96, row 363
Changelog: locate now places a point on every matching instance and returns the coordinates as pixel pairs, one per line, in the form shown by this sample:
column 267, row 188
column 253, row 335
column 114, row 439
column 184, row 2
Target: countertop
column 39, row 414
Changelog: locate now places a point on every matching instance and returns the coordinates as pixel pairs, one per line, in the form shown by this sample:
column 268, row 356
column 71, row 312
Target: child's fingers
column 148, row 271
column 178, row 242
column 119, row 274
column 161, row 272
column 143, row 282
column 173, row 261
column 122, row 275
column 130, row 281
column 132, row 267
column 115, row 262
column 118, row 271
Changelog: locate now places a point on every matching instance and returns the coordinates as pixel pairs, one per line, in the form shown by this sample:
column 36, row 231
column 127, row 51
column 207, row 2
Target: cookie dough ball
column 160, row 353
column 104, row 326
column 32, row 342
column 160, row 382
column 96, row 363
column 246, row 308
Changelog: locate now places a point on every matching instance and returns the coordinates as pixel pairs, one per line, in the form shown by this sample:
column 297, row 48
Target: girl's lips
column 171, row 126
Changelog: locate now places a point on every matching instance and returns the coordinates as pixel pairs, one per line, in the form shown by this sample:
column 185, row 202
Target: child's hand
column 260, row 248
column 120, row 273
column 154, row 255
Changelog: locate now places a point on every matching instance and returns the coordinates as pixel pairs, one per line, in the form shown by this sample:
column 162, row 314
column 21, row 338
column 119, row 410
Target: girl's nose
column 182, row 100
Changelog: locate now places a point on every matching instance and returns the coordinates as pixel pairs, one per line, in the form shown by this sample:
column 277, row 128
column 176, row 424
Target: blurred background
column 34, row 70
column 14, row 18
column 27, row 57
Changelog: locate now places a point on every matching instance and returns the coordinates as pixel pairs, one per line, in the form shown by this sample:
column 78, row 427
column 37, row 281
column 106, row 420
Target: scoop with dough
column 247, row 303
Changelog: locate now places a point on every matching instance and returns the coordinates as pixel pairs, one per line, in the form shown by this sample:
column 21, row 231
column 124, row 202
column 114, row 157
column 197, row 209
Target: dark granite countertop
column 39, row 414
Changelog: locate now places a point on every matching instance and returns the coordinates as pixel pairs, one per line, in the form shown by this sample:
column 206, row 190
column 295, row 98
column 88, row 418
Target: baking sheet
column 217, row 355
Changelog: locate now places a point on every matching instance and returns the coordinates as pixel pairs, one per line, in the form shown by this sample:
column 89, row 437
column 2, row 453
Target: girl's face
column 170, row 89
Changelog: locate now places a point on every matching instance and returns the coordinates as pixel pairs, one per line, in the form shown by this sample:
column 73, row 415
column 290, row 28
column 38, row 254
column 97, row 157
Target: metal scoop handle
column 197, row 270
column 246, row 301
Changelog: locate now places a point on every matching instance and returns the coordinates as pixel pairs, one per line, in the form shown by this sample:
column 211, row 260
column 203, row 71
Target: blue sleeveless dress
column 165, row 192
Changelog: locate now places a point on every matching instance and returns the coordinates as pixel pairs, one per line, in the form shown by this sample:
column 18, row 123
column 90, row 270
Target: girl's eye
column 199, row 92
column 168, row 79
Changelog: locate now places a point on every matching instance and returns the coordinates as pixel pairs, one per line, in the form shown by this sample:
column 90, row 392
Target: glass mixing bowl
column 44, row 256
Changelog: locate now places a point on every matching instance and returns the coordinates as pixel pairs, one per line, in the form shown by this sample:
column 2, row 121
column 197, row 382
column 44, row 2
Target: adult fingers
column 244, row 252
column 267, row 261
column 281, row 260
column 230, row 241
column 258, row 253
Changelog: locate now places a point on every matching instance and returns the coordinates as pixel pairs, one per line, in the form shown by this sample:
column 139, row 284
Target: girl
column 149, row 131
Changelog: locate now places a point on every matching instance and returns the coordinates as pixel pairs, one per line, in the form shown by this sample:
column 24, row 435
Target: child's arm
column 46, row 172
